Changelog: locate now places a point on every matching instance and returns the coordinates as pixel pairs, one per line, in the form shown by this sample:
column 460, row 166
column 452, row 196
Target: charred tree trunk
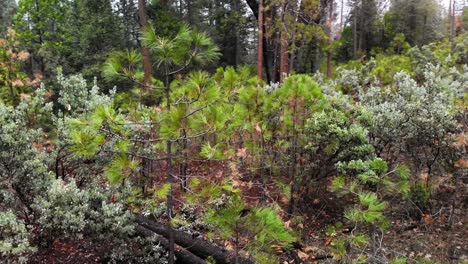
column 199, row 247
column 183, row 255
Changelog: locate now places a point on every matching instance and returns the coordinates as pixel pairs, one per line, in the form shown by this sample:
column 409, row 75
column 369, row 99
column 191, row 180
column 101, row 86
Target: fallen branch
column 183, row 256
column 321, row 257
column 199, row 247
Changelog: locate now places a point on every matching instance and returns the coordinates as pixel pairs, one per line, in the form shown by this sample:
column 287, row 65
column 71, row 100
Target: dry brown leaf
column 228, row 246
column 424, row 177
column 17, row 83
column 461, row 140
column 23, row 55
column 427, row 218
column 462, row 163
column 24, row 96
column 241, row 153
column 328, row 241
column 236, row 183
column 258, row 128
column 308, row 249
column 303, row 255
column 278, row 249
column 250, row 184
column 284, row 199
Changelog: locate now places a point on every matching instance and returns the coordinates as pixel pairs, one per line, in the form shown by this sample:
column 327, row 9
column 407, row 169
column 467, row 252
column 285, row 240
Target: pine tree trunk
column 237, row 48
column 260, row 41
column 452, row 24
column 267, row 59
column 147, row 70
column 355, row 31
column 169, row 176
column 189, row 13
column 361, row 30
column 293, row 163
column 284, row 57
column 330, row 40
column 293, row 53
column 341, row 16
column 145, row 51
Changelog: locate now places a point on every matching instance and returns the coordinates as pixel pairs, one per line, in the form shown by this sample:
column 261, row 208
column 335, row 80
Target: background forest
column 228, row 131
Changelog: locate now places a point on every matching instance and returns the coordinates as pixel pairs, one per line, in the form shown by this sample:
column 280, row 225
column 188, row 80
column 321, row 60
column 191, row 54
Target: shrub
column 68, row 212
column 23, row 170
column 333, row 136
column 14, row 236
column 414, row 121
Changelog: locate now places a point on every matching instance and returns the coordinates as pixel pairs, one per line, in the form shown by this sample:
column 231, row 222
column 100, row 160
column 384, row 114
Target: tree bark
column 284, row 57
column 183, row 256
column 355, row 31
column 170, row 179
column 341, row 17
column 145, row 51
column 199, row 247
column 237, row 47
column 260, row 41
column 330, row 39
column 452, row 24
column 254, row 6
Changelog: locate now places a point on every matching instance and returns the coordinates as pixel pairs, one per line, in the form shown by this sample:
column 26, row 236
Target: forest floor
column 440, row 236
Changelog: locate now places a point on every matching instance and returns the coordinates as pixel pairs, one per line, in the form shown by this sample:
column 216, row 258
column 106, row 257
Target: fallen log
column 183, row 256
column 199, row 247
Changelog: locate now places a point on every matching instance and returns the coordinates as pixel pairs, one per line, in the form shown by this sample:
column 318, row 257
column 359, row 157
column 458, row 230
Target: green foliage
column 62, row 210
column 7, row 11
column 419, row 21
column 66, row 211
column 415, row 118
column 359, row 128
column 387, row 66
column 95, row 30
column 370, row 210
column 334, row 137
column 13, row 81
column 77, row 97
column 186, row 47
column 399, row 45
column 398, row 260
column 58, row 209
column 73, row 35
column 420, row 194
column 461, row 46
column 47, row 44
column 23, row 170
column 340, row 138
column 15, row 235
column 253, row 228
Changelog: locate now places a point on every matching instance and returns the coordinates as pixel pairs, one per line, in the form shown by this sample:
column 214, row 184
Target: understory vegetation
column 198, row 164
